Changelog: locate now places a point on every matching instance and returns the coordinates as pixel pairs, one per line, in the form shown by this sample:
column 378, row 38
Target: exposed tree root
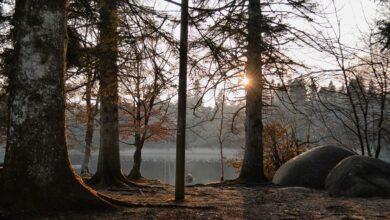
column 20, row 198
column 70, row 196
column 134, row 175
column 100, row 181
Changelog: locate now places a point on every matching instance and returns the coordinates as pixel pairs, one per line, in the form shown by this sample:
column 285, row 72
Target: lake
column 203, row 164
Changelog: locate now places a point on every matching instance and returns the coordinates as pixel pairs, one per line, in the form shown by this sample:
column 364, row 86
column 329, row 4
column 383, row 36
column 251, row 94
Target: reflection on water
column 202, row 164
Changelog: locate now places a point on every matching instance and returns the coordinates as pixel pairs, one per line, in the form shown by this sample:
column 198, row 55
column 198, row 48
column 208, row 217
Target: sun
column 245, row 81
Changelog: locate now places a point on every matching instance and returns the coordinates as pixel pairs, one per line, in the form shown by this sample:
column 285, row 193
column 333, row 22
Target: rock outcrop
column 359, row 176
column 311, row 168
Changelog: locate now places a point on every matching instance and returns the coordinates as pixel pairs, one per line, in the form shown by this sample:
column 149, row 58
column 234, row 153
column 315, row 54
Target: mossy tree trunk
column 252, row 167
column 37, row 173
column 109, row 172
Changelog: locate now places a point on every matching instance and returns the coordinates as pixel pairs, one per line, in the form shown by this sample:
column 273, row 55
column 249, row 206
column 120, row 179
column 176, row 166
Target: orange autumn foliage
column 156, row 126
column 279, row 145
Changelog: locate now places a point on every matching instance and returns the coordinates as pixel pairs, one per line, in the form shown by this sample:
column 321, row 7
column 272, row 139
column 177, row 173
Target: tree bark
column 182, row 105
column 37, row 173
column 91, row 113
column 220, row 132
column 135, row 172
column 139, row 121
column 109, row 168
column 252, row 167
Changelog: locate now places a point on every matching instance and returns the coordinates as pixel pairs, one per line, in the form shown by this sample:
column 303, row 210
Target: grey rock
column 359, row 176
column 311, row 167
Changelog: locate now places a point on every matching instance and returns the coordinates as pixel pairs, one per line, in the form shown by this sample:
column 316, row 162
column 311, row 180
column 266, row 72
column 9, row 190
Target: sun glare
column 245, row 81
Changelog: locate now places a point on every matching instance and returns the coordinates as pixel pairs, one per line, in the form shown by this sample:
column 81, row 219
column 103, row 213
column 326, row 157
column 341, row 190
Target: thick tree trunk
column 38, row 174
column 109, row 168
column 252, row 167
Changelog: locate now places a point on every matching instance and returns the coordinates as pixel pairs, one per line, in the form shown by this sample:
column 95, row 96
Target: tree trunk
column 85, row 164
column 182, row 105
column 252, row 167
column 37, row 173
column 109, row 168
column 91, row 112
column 220, row 132
column 135, row 172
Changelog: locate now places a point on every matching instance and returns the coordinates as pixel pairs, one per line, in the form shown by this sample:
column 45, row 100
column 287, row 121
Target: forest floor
column 233, row 202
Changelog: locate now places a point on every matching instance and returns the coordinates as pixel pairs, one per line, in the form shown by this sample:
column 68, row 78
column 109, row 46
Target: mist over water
column 203, row 164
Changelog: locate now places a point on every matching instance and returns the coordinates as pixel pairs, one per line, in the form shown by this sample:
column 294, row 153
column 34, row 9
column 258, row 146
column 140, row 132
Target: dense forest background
column 309, row 115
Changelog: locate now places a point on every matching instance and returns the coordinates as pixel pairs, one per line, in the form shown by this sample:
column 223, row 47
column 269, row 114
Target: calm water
column 202, row 164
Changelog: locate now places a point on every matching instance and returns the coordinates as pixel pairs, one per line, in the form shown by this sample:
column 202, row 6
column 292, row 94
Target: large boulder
column 359, row 176
column 311, row 167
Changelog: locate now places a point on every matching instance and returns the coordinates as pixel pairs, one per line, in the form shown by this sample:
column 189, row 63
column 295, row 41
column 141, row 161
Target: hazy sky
column 355, row 17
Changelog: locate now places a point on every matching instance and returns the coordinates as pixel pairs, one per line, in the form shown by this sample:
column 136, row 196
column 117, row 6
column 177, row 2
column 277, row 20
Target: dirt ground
column 232, row 202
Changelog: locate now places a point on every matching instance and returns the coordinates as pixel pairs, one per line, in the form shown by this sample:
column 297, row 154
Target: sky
column 356, row 18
